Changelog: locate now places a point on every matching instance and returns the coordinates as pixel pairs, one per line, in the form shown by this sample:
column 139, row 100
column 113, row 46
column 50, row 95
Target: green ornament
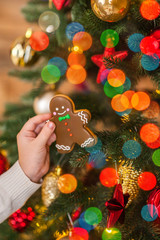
column 109, row 38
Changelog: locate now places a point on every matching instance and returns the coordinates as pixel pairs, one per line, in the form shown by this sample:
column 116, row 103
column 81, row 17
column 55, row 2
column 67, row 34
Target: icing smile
column 62, row 113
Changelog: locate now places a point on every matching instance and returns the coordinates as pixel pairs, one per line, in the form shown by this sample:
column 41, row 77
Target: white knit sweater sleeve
column 15, row 189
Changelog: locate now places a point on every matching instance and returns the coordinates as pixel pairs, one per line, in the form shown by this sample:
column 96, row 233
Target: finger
column 51, row 139
column 32, row 123
column 39, row 127
column 45, row 133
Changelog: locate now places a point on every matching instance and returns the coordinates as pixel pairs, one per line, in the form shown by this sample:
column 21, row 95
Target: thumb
column 45, row 133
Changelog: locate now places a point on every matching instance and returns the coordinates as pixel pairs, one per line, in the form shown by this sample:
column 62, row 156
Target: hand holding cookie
column 71, row 124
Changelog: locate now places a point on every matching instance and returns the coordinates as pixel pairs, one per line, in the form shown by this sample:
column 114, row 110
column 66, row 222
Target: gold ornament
column 50, row 189
column 110, row 10
column 41, row 103
column 21, row 52
column 128, row 177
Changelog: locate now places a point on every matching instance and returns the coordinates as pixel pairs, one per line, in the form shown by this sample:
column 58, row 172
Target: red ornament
column 76, row 214
column 150, row 9
column 3, row 163
column 39, row 41
column 108, row 52
column 21, row 219
column 116, row 206
column 59, row 4
column 154, row 199
column 149, row 45
column 147, row 181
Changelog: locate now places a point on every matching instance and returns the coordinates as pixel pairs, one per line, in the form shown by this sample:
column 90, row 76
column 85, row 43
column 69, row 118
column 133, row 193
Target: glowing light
column 84, row 224
column 67, row 183
column 120, row 103
column 155, row 144
column 129, row 94
column 83, row 40
column 150, row 9
column 73, row 28
column 131, row 149
column 109, row 38
column 156, row 157
column 76, row 58
column 60, row 63
column 49, row 21
column 28, row 33
column 149, row 45
column 149, row 133
column 79, row 234
column 93, row 215
column 149, row 213
column 50, row 74
column 140, row 101
column 111, row 234
column 39, row 41
column 109, row 177
column 147, row 181
column 111, row 91
column 76, row 74
column 116, row 77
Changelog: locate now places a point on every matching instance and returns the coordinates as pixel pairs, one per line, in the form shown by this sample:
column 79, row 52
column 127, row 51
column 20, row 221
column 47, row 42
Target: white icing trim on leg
column 87, row 142
column 82, row 116
column 65, row 148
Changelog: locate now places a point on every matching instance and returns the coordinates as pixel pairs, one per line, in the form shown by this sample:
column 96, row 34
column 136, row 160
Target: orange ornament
column 149, row 133
column 67, row 183
column 109, row 177
column 76, row 58
column 150, row 9
column 140, row 101
column 76, row 74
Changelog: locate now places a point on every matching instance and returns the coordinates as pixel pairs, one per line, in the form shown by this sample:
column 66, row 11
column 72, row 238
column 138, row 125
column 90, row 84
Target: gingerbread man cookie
column 70, row 124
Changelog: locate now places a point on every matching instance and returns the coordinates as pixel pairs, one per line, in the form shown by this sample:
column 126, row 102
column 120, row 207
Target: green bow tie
column 65, row 117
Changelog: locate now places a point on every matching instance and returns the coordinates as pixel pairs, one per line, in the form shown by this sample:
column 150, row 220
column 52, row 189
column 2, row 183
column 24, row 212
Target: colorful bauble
column 111, row 234
column 39, row 41
column 147, row 181
column 109, row 177
column 154, row 199
column 134, row 42
column 131, row 149
column 67, row 183
column 150, row 9
column 50, row 189
column 73, row 28
column 109, row 38
column 60, row 63
column 149, row 213
column 49, row 21
column 78, row 233
column 41, row 103
column 93, row 215
column 149, row 45
column 61, row 3
column 21, row 52
column 150, row 62
column 21, row 219
column 110, row 11
column 50, row 74
column 4, row 165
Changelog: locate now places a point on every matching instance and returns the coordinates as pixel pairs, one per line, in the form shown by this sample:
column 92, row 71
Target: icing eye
column 62, row 107
column 57, row 109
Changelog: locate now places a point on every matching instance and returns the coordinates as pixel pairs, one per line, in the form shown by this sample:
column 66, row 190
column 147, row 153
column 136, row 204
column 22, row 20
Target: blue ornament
column 131, row 149
column 124, row 113
column 97, row 159
column 95, row 148
column 127, row 84
column 60, row 63
column 73, row 28
column 150, row 62
column 134, row 42
column 149, row 213
column 84, row 224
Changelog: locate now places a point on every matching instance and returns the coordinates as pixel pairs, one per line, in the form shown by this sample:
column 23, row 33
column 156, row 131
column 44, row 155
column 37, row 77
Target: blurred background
column 12, row 25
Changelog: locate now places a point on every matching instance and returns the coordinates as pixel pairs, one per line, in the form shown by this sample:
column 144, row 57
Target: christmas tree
column 96, row 53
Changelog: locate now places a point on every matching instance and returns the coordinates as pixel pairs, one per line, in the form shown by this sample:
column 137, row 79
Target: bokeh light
column 149, row 45
column 76, row 74
column 73, row 28
column 155, row 144
column 111, row 234
column 84, row 224
column 67, row 183
column 149, row 133
column 149, row 213
column 134, row 42
column 150, row 9
column 156, row 157
column 109, row 177
column 147, row 181
column 97, row 159
column 111, row 91
column 39, row 41
column 140, row 101
column 76, row 58
column 150, row 62
column 131, row 149
column 116, row 77
column 83, row 40
column 104, row 76
column 79, row 234
column 93, row 215
column 49, row 21
column 129, row 94
column 60, row 63
column 120, row 103
column 152, row 111
column 109, row 38
column 50, row 74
